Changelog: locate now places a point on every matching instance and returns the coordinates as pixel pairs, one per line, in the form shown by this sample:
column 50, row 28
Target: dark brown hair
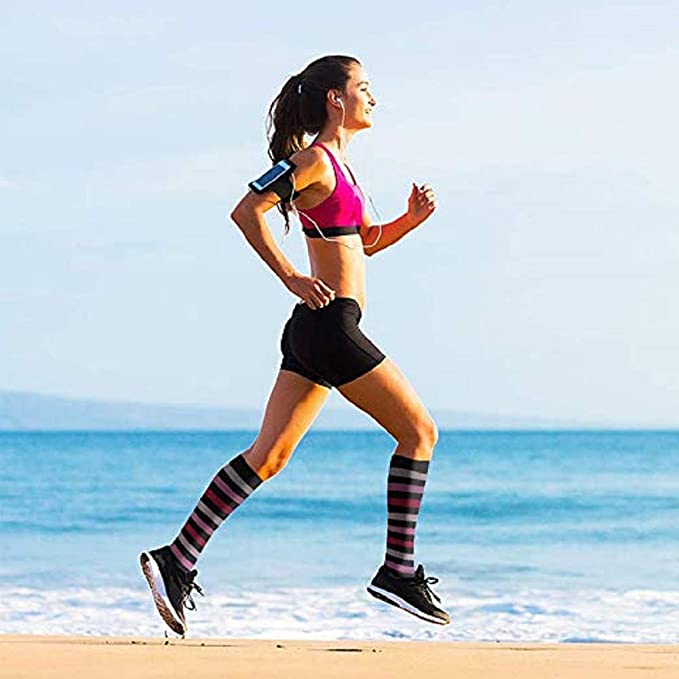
column 300, row 108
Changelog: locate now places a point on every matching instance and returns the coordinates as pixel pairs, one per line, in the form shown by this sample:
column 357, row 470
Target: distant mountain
column 23, row 411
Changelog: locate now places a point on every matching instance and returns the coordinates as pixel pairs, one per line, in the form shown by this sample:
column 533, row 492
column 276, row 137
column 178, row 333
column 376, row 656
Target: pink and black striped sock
column 407, row 478
column 230, row 487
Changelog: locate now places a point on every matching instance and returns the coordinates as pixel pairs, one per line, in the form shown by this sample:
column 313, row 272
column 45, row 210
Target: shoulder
column 313, row 166
column 310, row 157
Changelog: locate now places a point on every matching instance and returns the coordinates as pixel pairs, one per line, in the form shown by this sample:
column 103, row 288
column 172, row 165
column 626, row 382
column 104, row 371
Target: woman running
column 322, row 344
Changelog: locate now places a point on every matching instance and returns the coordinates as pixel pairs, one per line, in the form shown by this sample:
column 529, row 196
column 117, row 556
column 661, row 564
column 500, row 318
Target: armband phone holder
column 277, row 179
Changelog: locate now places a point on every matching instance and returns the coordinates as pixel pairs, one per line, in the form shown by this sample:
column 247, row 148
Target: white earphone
column 297, row 211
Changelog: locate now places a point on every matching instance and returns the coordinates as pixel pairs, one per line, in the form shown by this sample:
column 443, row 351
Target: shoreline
column 129, row 657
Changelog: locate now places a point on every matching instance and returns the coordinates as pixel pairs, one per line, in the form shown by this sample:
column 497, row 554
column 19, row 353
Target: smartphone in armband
column 276, row 179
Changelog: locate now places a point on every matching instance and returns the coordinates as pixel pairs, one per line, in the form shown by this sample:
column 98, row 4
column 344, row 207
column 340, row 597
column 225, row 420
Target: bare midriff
column 339, row 267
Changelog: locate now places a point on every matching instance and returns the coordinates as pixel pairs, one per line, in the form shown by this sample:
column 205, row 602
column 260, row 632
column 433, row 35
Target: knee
column 424, row 434
column 430, row 432
column 268, row 461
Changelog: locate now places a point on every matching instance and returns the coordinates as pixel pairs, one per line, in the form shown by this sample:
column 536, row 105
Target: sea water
column 534, row 536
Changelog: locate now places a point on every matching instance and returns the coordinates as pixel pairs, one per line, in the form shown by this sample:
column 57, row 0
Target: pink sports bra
column 341, row 213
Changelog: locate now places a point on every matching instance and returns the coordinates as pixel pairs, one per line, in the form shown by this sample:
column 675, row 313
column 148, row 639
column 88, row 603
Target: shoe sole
column 152, row 574
column 394, row 600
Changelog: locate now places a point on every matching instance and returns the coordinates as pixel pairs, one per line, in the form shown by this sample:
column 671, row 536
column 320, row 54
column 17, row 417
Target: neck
column 336, row 138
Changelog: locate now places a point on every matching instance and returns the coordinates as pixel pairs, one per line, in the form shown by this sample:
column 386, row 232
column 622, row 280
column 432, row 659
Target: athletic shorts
column 326, row 345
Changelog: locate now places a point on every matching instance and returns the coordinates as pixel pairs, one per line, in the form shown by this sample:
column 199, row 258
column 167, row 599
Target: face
column 358, row 99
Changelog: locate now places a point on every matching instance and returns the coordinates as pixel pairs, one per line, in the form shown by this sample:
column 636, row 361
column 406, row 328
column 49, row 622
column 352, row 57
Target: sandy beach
column 62, row 657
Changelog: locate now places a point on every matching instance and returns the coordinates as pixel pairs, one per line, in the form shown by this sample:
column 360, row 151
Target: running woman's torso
column 337, row 208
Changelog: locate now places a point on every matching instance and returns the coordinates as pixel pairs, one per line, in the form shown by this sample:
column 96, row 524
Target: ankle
column 175, row 560
column 398, row 574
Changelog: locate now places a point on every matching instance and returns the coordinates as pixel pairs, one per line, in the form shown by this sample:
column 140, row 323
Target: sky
column 544, row 284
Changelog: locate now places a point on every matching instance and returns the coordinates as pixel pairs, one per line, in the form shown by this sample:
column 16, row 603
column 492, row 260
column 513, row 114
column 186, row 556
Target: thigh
column 386, row 395
column 292, row 407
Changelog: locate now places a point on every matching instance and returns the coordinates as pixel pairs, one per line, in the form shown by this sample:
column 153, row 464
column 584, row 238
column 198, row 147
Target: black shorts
column 326, row 345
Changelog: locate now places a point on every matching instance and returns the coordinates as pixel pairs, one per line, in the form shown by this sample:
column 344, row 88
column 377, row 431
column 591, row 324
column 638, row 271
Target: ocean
column 534, row 536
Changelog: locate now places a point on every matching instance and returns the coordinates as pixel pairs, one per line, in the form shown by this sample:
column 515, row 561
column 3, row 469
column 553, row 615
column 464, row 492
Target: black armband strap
column 277, row 179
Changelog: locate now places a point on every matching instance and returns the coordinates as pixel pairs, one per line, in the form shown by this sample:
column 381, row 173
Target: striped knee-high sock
column 405, row 488
column 230, row 487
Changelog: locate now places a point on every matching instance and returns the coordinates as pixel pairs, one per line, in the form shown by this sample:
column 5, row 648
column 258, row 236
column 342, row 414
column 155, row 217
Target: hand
column 315, row 293
column 421, row 203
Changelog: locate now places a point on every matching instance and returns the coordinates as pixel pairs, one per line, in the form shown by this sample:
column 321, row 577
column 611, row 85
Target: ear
column 334, row 97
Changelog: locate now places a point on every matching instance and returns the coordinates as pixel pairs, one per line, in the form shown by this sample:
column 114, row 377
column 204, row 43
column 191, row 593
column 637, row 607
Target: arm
column 249, row 217
column 421, row 204
column 391, row 232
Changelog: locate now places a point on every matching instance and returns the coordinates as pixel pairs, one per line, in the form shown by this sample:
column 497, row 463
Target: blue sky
column 544, row 284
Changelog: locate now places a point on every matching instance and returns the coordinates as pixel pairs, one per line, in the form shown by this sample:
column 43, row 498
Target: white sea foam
column 635, row 616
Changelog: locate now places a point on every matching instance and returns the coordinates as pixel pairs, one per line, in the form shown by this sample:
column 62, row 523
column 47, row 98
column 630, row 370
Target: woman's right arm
column 249, row 217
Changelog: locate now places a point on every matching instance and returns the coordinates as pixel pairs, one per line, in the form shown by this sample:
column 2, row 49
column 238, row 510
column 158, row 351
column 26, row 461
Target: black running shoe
column 170, row 585
column 412, row 594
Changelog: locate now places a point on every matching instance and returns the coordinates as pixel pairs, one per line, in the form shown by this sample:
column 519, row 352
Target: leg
column 293, row 405
column 386, row 395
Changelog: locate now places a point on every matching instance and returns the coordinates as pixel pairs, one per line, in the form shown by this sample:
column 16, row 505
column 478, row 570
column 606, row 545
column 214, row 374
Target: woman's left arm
column 421, row 204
